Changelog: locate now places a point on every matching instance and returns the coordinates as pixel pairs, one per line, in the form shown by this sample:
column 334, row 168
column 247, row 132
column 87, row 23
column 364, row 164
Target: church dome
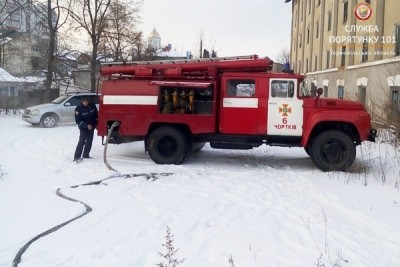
column 154, row 34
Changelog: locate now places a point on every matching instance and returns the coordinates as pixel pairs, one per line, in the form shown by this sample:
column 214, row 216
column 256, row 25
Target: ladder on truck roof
column 151, row 62
column 187, row 68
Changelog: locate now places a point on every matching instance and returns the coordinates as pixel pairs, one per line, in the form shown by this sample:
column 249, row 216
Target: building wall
column 379, row 79
column 318, row 25
column 319, row 28
column 82, row 79
column 21, row 55
column 24, row 19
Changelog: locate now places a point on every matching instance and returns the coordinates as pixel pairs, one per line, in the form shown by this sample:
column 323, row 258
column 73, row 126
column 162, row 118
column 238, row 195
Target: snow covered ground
column 262, row 207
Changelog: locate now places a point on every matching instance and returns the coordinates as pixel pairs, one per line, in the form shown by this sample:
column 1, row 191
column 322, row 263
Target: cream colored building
column 351, row 48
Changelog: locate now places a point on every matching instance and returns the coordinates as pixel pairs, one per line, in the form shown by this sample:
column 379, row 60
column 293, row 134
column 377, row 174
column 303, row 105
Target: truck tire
column 333, row 151
column 167, row 145
column 307, row 150
column 48, row 120
column 197, row 146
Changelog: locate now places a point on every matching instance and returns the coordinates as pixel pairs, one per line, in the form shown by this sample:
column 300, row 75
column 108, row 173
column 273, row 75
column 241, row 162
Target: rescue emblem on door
column 285, row 110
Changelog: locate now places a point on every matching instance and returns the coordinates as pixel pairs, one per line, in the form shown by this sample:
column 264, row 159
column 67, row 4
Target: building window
column 345, row 11
column 395, row 96
column 4, row 91
column 307, row 65
column 302, row 11
column 343, row 58
column 13, row 92
column 329, row 20
column 340, row 92
column 308, row 35
column 309, row 7
column 318, row 2
column 364, row 55
column 397, row 51
column 294, row 41
column 325, row 91
column 317, row 29
column 300, row 38
column 328, row 56
column 362, row 94
column 315, row 63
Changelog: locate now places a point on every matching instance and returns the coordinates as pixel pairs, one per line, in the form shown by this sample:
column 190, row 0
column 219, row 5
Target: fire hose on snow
column 114, row 125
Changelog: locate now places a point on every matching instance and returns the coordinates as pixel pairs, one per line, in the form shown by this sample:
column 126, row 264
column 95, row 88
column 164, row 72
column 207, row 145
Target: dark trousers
column 84, row 144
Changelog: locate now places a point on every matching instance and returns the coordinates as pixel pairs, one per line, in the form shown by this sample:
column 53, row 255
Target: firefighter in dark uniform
column 86, row 116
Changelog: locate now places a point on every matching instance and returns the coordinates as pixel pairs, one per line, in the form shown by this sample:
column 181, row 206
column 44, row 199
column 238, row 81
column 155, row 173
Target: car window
column 74, row 101
column 60, row 99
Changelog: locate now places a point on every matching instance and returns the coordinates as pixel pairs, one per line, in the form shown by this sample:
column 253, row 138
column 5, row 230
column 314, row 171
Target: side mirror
column 319, row 92
column 67, row 104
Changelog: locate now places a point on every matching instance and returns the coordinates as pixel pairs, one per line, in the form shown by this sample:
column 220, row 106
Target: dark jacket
column 86, row 115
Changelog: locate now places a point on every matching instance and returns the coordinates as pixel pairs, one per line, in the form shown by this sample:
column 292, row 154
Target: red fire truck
column 176, row 107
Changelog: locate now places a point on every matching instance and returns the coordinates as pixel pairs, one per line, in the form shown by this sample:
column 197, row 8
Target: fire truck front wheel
column 333, row 151
column 167, row 145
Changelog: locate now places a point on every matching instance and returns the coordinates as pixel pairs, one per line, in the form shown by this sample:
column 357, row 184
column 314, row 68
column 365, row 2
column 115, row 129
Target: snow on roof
column 5, row 40
column 33, row 79
column 67, row 55
column 7, row 77
column 170, row 53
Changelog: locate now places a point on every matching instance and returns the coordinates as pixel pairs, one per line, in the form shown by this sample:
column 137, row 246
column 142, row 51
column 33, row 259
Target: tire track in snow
column 88, row 209
column 39, row 144
column 301, row 209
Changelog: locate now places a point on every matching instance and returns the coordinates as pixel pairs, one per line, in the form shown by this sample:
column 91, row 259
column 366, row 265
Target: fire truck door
column 285, row 110
column 239, row 114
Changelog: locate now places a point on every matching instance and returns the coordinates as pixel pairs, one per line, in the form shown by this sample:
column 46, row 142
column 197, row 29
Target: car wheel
column 333, row 151
column 48, row 120
column 167, row 145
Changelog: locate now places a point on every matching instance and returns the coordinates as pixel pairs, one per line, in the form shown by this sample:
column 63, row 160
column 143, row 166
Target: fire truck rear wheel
column 197, row 146
column 307, row 150
column 167, row 145
column 333, row 151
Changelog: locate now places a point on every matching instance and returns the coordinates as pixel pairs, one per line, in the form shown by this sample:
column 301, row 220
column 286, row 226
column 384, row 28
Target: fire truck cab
column 231, row 103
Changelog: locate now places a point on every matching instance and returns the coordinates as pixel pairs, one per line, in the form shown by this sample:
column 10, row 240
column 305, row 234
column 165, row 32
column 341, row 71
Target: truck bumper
column 372, row 135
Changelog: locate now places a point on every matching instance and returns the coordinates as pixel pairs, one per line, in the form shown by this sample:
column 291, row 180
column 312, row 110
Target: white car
column 60, row 110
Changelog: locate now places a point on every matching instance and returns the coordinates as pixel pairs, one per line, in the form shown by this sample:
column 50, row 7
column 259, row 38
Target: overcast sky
column 231, row 27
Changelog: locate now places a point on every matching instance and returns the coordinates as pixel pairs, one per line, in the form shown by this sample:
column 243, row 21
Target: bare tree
column 90, row 15
column 138, row 46
column 9, row 8
column 205, row 46
column 120, row 29
column 385, row 107
column 283, row 56
column 51, row 14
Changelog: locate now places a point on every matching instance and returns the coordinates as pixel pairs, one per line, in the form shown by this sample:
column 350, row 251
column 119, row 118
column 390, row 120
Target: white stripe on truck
column 130, row 100
column 240, row 102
